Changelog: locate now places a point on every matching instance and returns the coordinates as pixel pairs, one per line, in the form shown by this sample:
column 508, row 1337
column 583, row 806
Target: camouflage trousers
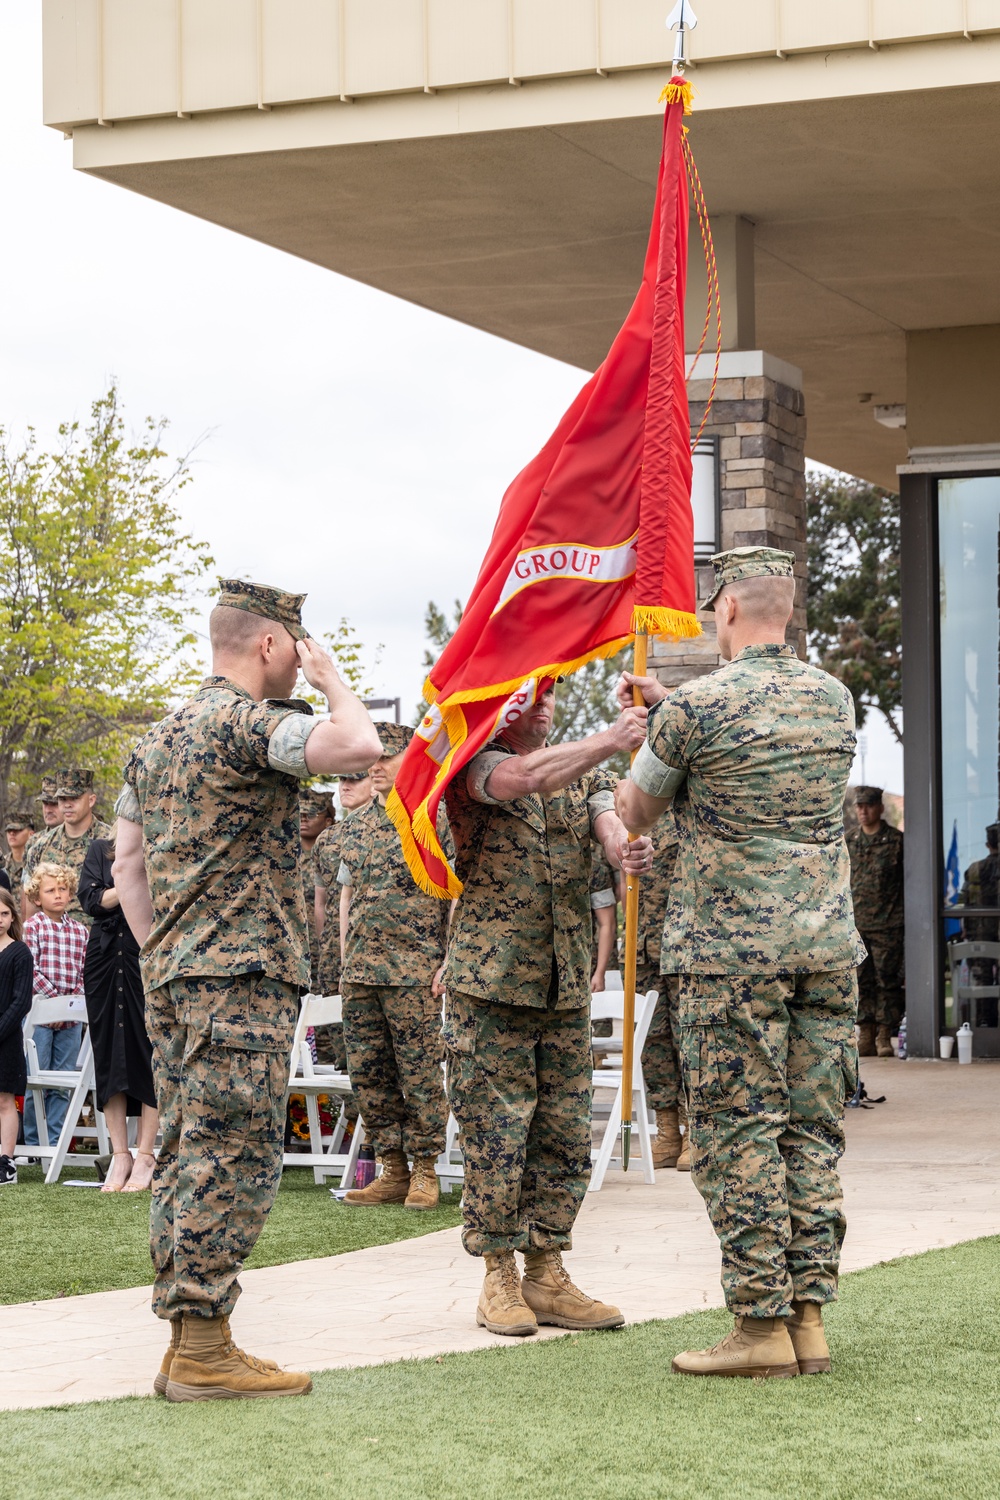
column 331, row 1048
column 767, row 1064
column 880, row 991
column 394, row 1052
column 519, row 1086
column 220, row 1064
column 661, row 1066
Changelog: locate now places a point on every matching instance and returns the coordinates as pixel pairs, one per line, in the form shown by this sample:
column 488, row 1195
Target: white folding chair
column 78, row 1081
column 611, row 1006
column 311, row 1079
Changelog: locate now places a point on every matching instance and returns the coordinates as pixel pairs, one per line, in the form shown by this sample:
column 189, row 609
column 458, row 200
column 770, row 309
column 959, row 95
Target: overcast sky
column 353, row 447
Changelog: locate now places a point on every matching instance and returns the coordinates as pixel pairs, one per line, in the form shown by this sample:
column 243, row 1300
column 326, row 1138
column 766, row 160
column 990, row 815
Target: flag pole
column 631, row 942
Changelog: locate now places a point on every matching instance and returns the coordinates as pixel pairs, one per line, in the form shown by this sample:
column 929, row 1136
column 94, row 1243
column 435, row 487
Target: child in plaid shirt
column 58, row 946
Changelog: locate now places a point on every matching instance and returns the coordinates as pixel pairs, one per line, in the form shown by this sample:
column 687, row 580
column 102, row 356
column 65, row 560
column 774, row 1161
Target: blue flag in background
column 952, row 884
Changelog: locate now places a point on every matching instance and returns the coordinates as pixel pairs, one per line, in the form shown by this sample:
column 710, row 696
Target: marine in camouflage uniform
column 395, row 942
column 517, row 1017
column 603, row 898
column 661, row 1067
column 64, row 848
column 760, row 931
column 19, row 829
column 215, row 787
column 877, row 892
column 315, row 817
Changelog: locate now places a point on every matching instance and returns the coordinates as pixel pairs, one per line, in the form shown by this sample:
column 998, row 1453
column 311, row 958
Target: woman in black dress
column 116, row 1012
column 16, row 971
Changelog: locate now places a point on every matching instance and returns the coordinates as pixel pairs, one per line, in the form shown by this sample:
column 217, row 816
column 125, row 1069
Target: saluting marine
column 207, row 869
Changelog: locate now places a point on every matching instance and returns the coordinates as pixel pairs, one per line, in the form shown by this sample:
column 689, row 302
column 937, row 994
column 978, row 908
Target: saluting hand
column 651, row 688
column 318, row 667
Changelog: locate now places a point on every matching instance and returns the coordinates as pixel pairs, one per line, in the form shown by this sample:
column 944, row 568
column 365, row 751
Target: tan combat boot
column 668, row 1143
column 391, row 1187
column 553, row 1298
column 424, row 1187
column 208, row 1367
column 757, row 1349
column 866, row 1039
column 805, row 1328
column 883, row 1042
column 502, row 1308
column 160, row 1383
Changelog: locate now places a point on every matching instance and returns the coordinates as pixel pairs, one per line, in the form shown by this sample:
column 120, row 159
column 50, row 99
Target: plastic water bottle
column 902, row 1038
column 965, row 1043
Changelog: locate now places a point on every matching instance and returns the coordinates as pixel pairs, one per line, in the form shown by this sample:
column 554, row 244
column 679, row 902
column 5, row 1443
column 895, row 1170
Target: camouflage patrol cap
column 353, row 775
column 993, row 832
column 748, row 562
column 19, row 817
column 270, row 603
column 394, row 737
column 48, row 792
column 867, row 796
column 312, row 803
column 74, row 783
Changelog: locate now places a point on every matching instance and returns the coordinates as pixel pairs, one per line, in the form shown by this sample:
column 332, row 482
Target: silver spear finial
column 681, row 19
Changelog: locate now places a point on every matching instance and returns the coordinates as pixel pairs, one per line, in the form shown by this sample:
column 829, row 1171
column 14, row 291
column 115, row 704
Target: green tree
column 584, row 702
column 96, row 577
column 853, row 590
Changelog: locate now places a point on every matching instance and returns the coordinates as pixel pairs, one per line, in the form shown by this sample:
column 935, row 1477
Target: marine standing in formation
column 207, row 870
column 67, row 842
column 661, row 1067
column 394, row 940
column 754, row 759
column 19, row 830
column 876, row 850
column 315, row 817
column 517, row 1017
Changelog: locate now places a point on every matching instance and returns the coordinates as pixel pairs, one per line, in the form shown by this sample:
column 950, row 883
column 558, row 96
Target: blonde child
column 58, row 946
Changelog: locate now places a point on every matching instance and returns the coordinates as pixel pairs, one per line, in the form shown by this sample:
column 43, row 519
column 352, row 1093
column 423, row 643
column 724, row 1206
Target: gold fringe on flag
column 400, row 818
column 651, row 619
column 551, row 669
column 678, row 92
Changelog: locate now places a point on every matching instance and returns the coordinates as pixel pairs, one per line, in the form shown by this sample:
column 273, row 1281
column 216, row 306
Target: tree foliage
column 96, row 577
column 584, row 702
column 853, row 590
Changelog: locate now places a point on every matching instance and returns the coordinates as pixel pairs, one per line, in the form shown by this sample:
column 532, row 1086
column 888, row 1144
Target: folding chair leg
column 640, row 1113
column 603, row 1157
column 357, row 1141
column 74, row 1109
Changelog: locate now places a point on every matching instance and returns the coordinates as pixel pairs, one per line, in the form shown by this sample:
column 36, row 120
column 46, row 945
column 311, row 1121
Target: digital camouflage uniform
column 396, row 941
column 19, row 818
column 325, row 866
column 311, row 804
column 215, row 788
column 660, row 1060
column 760, row 932
column 55, row 845
column 980, row 888
column 517, row 1019
column 877, row 891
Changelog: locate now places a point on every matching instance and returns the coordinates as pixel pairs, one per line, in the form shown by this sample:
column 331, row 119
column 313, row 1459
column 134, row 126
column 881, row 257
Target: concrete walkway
column 921, row 1171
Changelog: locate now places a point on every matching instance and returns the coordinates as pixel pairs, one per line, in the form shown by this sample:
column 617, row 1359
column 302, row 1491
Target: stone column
column 758, row 417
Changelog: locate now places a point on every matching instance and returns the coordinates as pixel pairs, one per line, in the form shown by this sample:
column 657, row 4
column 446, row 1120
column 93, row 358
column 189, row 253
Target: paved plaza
column 921, row 1171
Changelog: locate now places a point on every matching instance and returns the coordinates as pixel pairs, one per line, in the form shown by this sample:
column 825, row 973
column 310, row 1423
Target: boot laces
column 264, row 1366
column 510, row 1282
column 423, row 1176
column 560, row 1273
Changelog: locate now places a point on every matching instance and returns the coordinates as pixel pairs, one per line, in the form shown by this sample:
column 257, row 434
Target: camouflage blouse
column 521, row 934
column 396, row 934
column 756, row 757
column 877, row 878
column 220, row 832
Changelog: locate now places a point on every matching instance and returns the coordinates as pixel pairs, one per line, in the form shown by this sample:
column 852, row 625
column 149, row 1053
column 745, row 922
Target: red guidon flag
column 594, row 540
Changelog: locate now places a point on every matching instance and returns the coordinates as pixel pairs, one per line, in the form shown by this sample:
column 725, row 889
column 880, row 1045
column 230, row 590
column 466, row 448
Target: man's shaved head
column 236, row 632
column 765, row 600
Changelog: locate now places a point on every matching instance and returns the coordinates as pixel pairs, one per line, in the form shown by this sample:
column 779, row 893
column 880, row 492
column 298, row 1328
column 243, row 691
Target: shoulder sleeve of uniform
column 127, row 805
column 476, row 777
column 661, row 764
column 344, row 875
column 600, row 786
column 286, row 745
column 598, row 899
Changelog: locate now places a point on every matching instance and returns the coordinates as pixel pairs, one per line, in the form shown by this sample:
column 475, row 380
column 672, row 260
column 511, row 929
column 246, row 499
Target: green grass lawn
column 59, row 1241
column 910, row 1413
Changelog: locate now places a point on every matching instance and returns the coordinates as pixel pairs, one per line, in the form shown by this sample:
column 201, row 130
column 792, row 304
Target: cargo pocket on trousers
column 713, row 1069
column 246, row 1093
column 466, row 1080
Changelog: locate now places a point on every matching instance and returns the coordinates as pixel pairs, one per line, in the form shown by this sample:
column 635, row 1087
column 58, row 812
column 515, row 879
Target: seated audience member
column 15, row 1002
column 123, row 1055
column 58, row 946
